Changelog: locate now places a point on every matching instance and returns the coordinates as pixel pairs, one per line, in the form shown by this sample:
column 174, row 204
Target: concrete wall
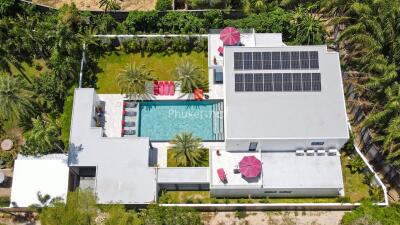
column 284, row 144
column 303, row 192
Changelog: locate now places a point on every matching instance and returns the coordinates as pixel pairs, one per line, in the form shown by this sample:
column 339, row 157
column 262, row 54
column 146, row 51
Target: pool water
column 162, row 120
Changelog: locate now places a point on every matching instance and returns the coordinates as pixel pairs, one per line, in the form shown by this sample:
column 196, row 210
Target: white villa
column 282, row 104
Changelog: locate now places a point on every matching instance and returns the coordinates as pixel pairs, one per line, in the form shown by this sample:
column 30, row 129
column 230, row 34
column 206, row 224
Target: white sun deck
column 229, row 161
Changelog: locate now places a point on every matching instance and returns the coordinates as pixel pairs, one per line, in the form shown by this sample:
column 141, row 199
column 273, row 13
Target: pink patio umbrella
column 250, row 166
column 230, row 36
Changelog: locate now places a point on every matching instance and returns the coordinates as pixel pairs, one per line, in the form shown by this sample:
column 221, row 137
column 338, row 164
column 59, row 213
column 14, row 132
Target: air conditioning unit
column 310, row 152
column 333, row 152
column 299, row 152
column 321, row 152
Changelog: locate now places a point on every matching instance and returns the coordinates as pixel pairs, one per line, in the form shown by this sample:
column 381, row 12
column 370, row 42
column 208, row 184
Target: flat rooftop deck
column 228, row 161
column 287, row 170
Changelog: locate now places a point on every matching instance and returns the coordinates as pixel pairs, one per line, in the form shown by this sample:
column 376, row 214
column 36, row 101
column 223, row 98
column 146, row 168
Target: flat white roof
column 287, row 170
column 286, row 115
column 47, row 175
column 183, row 175
column 122, row 164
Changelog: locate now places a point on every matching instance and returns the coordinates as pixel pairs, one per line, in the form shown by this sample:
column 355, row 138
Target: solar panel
column 266, row 56
column 295, row 60
column 285, row 57
column 316, row 81
column 268, row 86
column 313, row 55
column 277, row 82
column 287, row 82
column 257, row 61
column 297, row 82
column 238, row 60
column 247, row 60
column 276, row 60
column 239, row 82
column 258, row 82
column 304, row 60
column 248, row 82
column 306, row 80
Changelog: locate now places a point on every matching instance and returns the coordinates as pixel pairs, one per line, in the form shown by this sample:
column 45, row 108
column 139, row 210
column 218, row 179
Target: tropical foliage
column 109, row 5
column 132, row 80
column 81, row 209
column 15, row 97
column 187, row 150
column 368, row 35
column 368, row 214
column 189, row 76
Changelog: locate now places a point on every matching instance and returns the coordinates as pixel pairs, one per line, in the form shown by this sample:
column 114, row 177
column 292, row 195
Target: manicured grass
column 162, row 67
column 204, row 197
column 354, row 185
column 172, row 163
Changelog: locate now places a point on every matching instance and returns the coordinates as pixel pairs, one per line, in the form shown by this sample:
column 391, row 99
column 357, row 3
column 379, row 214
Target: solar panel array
column 276, row 60
column 277, row 82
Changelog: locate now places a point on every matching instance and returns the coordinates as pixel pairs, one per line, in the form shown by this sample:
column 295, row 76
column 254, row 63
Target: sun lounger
column 171, row 88
column 129, row 124
column 166, row 87
column 130, row 104
column 222, row 175
column 161, row 87
column 156, row 88
column 129, row 132
column 130, row 113
column 198, row 94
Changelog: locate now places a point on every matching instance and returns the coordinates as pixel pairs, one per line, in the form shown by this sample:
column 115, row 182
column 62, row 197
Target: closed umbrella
column 250, row 166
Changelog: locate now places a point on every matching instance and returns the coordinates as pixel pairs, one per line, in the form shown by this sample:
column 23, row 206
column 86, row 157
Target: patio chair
column 236, row 171
column 129, row 132
column 222, row 175
column 131, row 113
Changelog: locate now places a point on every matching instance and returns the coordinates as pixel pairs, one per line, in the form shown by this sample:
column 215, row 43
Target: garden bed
column 172, row 163
column 161, row 65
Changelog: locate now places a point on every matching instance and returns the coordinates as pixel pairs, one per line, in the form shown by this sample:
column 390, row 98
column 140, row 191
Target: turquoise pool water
column 162, row 120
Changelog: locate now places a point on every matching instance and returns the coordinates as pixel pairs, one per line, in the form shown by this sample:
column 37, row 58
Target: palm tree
column 189, row 76
column 43, row 138
column 15, row 99
column 309, row 29
column 132, row 80
column 187, row 150
column 109, row 5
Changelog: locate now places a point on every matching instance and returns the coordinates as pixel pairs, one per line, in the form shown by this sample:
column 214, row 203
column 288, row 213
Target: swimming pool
column 162, row 120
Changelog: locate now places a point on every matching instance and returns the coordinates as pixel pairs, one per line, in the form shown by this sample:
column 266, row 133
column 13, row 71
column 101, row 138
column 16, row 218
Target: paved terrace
column 228, row 161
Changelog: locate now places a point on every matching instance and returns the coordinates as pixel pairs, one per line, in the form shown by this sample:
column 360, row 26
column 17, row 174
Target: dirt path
column 275, row 218
column 128, row 5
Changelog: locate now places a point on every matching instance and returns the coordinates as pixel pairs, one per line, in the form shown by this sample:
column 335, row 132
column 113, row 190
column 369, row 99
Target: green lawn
column 171, row 162
column 66, row 117
column 162, row 67
column 354, row 187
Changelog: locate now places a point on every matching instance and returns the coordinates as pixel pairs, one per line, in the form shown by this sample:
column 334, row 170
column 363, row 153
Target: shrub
column 214, row 19
column 146, row 22
column 163, row 5
column 200, row 44
column 156, row 44
column 240, row 214
column 356, row 164
column 180, row 44
column 134, row 45
column 345, row 199
column 7, row 158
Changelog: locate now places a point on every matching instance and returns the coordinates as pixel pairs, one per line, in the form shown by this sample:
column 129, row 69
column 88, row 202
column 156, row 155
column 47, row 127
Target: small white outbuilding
column 46, row 174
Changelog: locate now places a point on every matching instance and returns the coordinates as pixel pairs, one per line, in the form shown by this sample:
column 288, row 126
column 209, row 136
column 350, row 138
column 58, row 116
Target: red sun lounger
column 166, row 87
column 161, row 87
column 222, row 175
column 171, row 88
column 156, row 88
column 198, row 94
